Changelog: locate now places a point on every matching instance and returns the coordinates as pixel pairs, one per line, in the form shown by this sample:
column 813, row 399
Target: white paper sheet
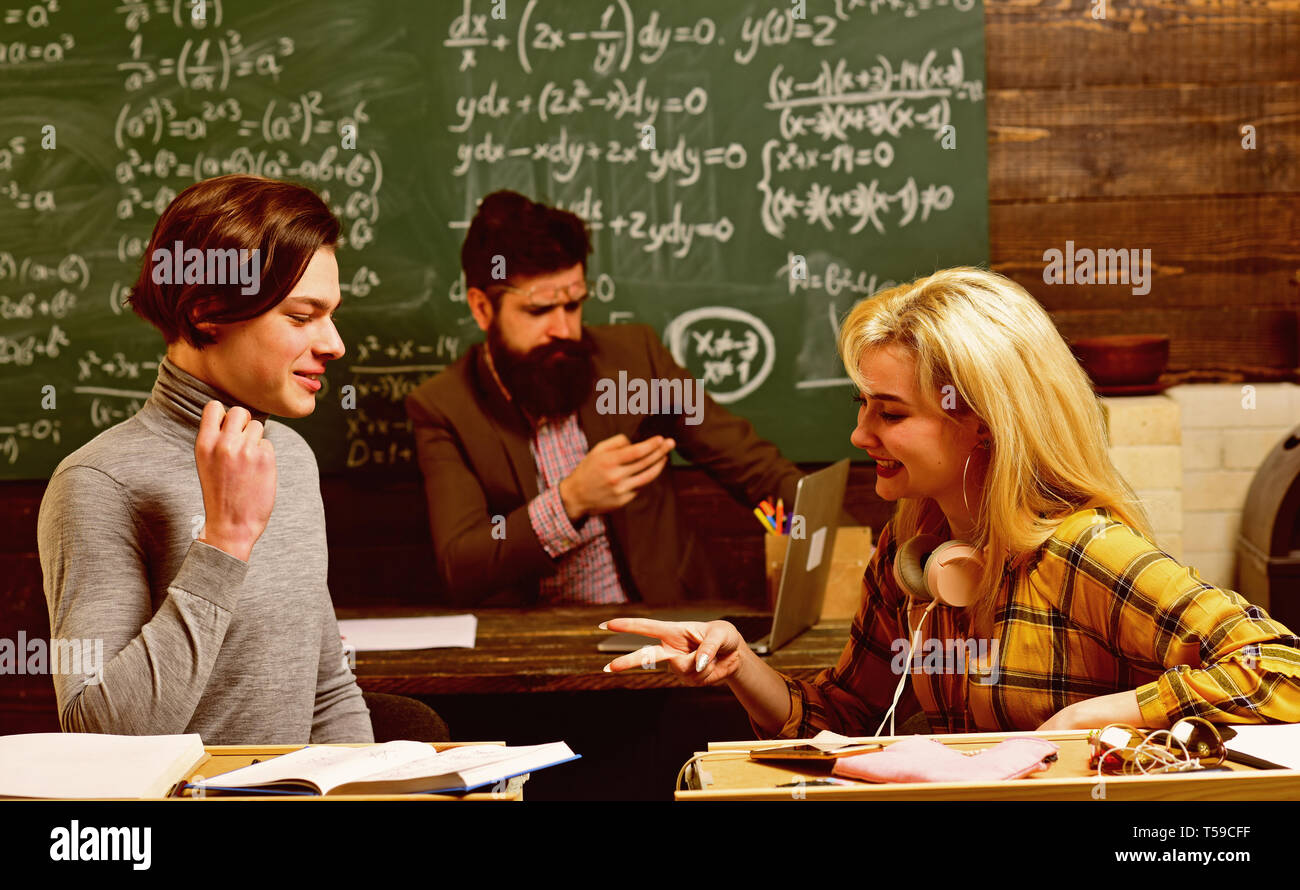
column 428, row 632
column 1278, row 744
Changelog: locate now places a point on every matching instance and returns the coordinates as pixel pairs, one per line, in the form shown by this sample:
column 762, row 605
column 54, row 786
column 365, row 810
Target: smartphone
column 661, row 424
column 806, row 753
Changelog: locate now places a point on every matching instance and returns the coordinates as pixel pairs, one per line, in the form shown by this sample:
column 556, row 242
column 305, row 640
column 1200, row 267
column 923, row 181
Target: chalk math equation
column 721, row 141
column 746, row 174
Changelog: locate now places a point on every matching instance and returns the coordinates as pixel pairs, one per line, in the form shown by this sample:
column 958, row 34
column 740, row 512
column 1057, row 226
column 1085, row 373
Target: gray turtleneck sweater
column 194, row 639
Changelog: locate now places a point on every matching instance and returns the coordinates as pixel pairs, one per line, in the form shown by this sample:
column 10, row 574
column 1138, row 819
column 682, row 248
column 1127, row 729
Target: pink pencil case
column 925, row 760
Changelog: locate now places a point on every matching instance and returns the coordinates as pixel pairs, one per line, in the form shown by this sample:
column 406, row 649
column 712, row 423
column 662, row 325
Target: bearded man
column 544, row 487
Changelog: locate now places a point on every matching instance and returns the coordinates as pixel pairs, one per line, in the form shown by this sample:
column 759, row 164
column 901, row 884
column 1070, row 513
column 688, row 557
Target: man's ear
column 212, row 329
column 480, row 306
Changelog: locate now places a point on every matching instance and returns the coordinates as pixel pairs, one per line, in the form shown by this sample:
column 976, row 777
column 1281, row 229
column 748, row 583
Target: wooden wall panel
column 1125, row 133
column 1057, row 43
column 1170, row 139
column 1205, row 252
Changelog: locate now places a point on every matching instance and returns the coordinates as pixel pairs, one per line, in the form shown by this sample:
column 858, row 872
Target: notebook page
column 452, row 760
column 327, row 767
column 94, row 765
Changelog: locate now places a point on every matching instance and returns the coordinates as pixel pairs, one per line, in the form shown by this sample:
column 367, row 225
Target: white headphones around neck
column 929, row 568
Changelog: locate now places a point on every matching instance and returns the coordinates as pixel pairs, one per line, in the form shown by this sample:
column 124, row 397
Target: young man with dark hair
column 190, row 538
column 537, row 492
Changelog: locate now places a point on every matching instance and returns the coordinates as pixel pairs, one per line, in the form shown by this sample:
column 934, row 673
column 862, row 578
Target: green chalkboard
column 747, row 174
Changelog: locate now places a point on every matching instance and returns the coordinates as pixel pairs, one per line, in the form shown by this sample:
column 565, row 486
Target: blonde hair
column 985, row 337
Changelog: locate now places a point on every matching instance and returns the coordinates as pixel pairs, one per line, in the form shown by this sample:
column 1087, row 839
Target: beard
column 548, row 381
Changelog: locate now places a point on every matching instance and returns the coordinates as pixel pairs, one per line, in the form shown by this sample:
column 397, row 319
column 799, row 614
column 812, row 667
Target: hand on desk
column 702, row 653
column 611, row 474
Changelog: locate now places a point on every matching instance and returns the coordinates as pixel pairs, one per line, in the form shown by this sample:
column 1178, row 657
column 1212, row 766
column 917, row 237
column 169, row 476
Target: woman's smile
column 888, row 468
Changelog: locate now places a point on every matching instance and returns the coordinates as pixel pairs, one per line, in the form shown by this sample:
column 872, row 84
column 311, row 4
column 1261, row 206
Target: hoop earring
column 983, row 444
column 963, row 483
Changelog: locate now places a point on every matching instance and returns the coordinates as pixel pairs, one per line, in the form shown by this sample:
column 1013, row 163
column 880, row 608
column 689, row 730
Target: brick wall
column 1191, row 455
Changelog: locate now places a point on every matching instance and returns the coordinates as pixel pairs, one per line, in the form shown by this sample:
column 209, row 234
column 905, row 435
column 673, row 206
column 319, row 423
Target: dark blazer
column 473, row 447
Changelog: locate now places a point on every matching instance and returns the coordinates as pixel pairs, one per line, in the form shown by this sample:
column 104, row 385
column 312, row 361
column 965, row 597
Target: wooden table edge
column 1240, row 783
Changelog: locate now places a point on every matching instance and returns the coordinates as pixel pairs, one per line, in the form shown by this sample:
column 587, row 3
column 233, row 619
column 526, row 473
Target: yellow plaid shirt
column 1100, row 610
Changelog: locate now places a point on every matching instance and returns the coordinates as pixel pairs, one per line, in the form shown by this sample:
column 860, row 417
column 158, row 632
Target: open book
column 390, row 768
column 88, row 765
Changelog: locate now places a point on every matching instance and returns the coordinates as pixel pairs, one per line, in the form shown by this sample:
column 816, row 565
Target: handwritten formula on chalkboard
column 748, row 171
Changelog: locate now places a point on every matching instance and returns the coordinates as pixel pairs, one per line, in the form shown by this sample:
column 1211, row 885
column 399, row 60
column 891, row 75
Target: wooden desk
column 536, row 676
column 554, row 650
column 224, row 758
column 734, row 777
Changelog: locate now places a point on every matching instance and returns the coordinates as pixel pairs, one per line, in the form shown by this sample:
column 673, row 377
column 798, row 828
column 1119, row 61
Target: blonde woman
column 986, row 430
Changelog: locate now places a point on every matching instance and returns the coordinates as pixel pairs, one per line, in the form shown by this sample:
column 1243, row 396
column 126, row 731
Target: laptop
column 819, row 499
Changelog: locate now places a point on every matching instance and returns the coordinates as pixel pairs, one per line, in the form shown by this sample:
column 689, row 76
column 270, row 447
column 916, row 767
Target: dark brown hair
column 532, row 238
column 286, row 223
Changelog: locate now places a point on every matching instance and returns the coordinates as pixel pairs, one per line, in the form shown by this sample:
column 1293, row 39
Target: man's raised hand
column 237, row 474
